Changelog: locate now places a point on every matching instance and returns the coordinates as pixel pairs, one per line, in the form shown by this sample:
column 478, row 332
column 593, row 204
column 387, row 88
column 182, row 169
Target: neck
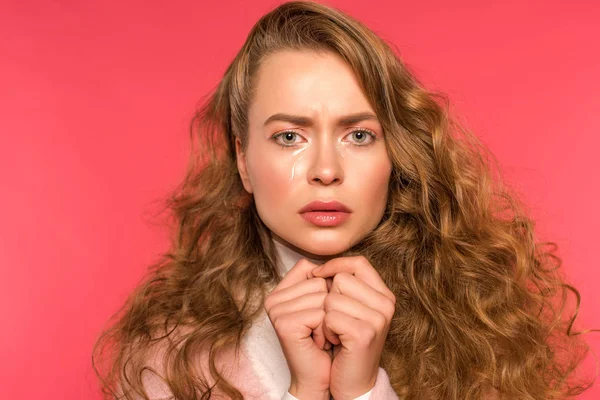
column 289, row 255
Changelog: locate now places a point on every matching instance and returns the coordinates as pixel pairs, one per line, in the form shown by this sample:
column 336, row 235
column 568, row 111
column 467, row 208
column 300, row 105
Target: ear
column 241, row 165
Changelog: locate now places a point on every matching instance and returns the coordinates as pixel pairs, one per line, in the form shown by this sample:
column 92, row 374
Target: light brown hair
column 479, row 300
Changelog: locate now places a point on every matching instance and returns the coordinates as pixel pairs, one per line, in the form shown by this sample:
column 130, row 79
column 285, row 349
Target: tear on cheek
column 296, row 168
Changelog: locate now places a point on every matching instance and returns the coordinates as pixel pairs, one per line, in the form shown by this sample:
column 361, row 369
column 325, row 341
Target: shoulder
column 233, row 366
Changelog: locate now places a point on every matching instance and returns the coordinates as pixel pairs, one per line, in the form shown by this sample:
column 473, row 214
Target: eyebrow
column 306, row 121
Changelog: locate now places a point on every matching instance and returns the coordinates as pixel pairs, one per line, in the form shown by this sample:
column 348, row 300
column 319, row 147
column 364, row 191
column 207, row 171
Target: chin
column 323, row 248
column 316, row 243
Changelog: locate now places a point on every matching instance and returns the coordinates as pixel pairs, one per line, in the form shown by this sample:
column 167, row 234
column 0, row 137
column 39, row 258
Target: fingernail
column 327, row 346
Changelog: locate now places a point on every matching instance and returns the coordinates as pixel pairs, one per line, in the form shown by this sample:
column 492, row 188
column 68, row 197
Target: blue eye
column 361, row 137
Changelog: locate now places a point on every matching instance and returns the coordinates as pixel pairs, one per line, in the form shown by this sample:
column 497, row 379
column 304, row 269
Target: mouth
column 325, row 207
column 327, row 218
column 325, row 213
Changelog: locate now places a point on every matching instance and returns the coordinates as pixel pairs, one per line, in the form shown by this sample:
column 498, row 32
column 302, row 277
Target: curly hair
column 480, row 300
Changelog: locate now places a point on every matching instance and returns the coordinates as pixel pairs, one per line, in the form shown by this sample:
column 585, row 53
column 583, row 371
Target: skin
column 346, row 303
column 325, row 162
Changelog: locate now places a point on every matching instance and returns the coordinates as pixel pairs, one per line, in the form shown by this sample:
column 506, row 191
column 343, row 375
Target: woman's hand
column 296, row 310
column 358, row 312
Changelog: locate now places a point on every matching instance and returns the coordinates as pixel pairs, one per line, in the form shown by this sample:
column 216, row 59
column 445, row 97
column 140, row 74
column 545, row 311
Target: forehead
column 306, row 82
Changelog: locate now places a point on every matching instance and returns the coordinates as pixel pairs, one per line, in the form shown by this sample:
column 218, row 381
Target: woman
column 319, row 148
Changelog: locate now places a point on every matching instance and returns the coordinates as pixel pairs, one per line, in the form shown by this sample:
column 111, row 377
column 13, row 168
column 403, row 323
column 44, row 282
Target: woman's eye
column 288, row 137
column 363, row 137
column 360, row 137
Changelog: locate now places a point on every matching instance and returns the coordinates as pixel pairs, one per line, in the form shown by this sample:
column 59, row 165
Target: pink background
column 95, row 102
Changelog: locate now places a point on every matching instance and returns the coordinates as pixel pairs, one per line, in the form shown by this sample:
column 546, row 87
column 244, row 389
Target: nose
column 326, row 167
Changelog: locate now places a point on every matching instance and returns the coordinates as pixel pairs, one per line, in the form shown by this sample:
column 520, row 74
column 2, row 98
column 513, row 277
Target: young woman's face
column 291, row 163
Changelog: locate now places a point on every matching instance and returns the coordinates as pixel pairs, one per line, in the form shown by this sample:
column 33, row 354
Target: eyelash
column 365, row 130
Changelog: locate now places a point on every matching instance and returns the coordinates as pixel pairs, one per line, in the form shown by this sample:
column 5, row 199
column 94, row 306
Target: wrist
column 305, row 393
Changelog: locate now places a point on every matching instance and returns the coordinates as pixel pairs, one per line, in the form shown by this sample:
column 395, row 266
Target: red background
column 95, row 102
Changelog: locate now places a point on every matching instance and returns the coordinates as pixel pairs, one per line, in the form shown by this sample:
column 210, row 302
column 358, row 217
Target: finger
column 303, row 302
column 353, row 308
column 298, row 325
column 331, row 336
column 306, row 301
column 349, row 330
column 312, row 285
column 301, row 271
column 319, row 336
column 358, row 266
column 357, row 289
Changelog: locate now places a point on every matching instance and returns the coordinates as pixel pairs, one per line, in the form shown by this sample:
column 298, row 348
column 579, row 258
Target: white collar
column 288, row 257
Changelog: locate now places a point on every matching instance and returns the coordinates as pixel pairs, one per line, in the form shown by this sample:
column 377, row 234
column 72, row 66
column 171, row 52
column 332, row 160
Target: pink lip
column 325, row 218
column 319, row 205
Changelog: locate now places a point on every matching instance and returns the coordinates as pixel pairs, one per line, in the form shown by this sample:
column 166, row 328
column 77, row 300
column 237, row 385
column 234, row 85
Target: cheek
column 374, row 176
column 270, row 177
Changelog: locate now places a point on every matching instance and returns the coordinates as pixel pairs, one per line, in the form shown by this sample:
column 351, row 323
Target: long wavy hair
column 480, row 301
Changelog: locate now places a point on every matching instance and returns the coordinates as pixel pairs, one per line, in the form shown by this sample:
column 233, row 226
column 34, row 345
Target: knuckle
column 323, row 297
column 367, row 335
column 321, row 313
column 344, row 275
column 267, row 304
column 271, row 300
column 327, row 302
column 273, row 314
column 276, row 321
column 380, row 322
column 320, row 284
column 390, row 295
column 280, row 325
column 391, row 309
column 340, row 277
column 305, row 264
column 363, row 260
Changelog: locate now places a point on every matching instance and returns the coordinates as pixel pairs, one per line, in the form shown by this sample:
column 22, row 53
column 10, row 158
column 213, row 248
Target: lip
column 319, row 205
column 325, row 218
